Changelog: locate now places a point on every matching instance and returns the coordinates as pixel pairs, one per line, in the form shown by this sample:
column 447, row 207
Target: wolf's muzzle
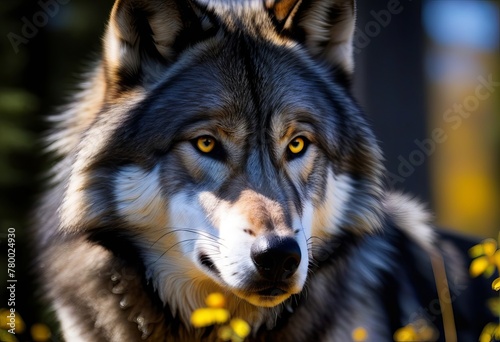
column 276, row 257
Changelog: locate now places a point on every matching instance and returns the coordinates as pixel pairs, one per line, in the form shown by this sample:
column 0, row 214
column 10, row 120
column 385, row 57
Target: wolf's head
column 227, row 147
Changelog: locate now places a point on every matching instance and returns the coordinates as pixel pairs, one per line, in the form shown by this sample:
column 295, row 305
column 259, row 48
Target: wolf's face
column 228, row 149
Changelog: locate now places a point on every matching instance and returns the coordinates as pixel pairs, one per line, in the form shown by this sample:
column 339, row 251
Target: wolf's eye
column 205, row 144
column 297, row 146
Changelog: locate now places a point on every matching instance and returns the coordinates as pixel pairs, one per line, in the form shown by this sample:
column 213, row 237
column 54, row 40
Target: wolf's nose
column 276, row 257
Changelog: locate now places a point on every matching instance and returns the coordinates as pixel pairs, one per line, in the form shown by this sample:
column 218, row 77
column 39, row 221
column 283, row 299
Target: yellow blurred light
column 359, row 334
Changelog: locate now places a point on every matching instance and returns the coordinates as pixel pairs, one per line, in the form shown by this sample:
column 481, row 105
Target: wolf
column 216, row 147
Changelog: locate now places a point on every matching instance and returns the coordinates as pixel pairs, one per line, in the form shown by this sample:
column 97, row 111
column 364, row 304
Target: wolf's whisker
column 189, row 230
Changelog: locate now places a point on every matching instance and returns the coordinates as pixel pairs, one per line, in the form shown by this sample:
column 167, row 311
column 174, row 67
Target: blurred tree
column 44, row 46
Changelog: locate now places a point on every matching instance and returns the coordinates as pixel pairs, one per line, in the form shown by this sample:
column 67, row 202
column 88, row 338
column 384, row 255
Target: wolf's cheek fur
column 323, row 209
column 329, row 210
column 138, row 197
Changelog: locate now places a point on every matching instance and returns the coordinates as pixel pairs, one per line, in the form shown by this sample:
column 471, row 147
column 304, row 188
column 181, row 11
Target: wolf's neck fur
column 183, row 292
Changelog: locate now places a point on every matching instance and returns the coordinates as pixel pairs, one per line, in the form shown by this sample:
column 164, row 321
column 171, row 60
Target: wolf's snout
column 276, row 257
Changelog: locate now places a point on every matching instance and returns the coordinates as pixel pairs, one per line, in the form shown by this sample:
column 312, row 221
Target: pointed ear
column 144, row 36
column 325, row 27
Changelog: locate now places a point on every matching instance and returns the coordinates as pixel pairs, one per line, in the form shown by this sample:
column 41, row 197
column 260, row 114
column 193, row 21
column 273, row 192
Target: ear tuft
column 144, row 36
column 329, row 27
column 325, row 27
column 283, row 9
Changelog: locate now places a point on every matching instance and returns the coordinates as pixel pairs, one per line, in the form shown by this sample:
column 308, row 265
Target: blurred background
column 428, row 76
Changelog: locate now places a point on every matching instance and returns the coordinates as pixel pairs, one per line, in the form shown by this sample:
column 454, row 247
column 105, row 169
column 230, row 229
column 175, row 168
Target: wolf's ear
column 325, row 27
column 143, row 36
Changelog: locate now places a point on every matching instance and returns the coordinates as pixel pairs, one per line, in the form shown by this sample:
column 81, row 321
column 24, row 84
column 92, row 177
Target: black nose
column 276, row 257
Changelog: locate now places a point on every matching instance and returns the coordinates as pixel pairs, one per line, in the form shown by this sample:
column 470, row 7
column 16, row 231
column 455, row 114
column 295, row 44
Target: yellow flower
column 496, row 284
column 6, row 336
column 490, row 332
column 418, row 330
column 225, row 333
column 487, row 258
column 240, row 327
column 359, row 334
column 11, row 320
column 427, row 333
column 494, row 306
column 215, row 300
column 40, row 332
column 209, row 316
column 406, row 333
column 237, row 329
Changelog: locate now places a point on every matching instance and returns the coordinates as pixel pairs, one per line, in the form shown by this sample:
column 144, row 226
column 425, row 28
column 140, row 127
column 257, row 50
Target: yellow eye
column 297, row 145
column 205, row 144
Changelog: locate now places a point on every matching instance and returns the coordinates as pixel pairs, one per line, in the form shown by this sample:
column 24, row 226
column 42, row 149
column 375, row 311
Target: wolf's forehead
column 242, row 79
